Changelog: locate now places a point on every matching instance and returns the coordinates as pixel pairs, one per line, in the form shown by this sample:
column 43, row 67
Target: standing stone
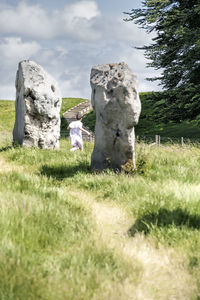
column 116, row 103
column 37, row 107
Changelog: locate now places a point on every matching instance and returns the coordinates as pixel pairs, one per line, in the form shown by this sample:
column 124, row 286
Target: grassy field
column 7, row 111
column 68, row 103
column 186, row 129
column 146, row 130
column 67, row 233
column 150, row 125
column 7, row 116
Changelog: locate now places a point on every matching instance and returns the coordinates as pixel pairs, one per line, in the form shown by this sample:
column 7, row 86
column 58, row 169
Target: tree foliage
column 175, row 49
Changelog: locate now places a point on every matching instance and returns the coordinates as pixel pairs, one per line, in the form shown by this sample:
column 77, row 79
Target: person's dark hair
column 78, row 116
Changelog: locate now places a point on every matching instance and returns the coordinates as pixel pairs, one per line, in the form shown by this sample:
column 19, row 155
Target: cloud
column 137, row 62
column 68, row 43
column 33, row 21
column 81, row 10
column 25, row 20
column 81, row 21
column 116, row 29
column 12, row 50
column 70, row 65
column 77, row 20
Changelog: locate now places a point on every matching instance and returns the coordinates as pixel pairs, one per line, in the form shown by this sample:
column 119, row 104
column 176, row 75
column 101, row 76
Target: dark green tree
column 175, row 49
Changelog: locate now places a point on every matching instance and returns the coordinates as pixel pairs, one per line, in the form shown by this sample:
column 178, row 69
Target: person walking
column 76, row 129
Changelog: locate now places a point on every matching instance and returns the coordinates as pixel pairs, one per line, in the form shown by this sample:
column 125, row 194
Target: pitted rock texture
column 37, row 107
column 117, row 106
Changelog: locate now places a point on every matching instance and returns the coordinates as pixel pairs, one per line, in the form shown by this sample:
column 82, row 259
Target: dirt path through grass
column 163, row 274
column 156, row 272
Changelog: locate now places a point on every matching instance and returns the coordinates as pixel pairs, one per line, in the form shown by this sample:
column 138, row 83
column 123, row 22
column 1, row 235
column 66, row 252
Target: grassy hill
column 68, row 103
column 151, row 123
column 67, row 233
column 7, row 116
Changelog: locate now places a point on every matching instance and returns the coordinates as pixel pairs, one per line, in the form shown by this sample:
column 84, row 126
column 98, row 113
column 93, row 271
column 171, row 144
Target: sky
column 67, row 38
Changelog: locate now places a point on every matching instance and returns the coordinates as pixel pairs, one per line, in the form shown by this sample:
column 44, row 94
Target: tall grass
column 40, row 218
column 50, row 244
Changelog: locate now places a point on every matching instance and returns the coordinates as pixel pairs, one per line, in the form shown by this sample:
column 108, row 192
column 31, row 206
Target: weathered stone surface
column 116, row 103
column 37, row 107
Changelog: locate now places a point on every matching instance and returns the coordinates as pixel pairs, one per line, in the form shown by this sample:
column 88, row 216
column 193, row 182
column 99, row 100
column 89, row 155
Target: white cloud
column 33, row 21
column 82, row 9
column 70, row 67
column 26, row 20
column 67, row 44
column 77, row 20
column 81, row 21
column 136, row 61
column 13, row 50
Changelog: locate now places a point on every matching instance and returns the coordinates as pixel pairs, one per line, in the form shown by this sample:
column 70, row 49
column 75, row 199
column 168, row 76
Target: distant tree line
column 175, row 51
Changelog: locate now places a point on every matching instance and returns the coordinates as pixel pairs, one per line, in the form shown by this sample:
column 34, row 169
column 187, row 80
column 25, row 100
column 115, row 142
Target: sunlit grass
column 7, row 116
column 51, row 247
column 46, row 225
column 68, row 103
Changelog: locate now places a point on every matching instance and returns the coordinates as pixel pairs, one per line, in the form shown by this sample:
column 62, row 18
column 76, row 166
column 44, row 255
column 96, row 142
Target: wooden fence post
column 182, row 141
column 157, row 139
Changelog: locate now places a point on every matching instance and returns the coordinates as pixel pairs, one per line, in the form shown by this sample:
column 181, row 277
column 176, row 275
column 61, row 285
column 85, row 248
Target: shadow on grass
column 3, row 149
column 61, row 172
column 164, row 218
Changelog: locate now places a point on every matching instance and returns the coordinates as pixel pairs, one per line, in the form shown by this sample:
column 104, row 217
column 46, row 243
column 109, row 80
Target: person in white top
column 76, row 128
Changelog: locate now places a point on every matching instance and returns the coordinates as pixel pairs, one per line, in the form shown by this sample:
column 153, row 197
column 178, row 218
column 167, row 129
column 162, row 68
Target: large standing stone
column 116, row 103
column 37, row 107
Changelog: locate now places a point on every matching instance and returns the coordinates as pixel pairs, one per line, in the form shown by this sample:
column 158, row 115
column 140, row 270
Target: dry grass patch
column 163, row 273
